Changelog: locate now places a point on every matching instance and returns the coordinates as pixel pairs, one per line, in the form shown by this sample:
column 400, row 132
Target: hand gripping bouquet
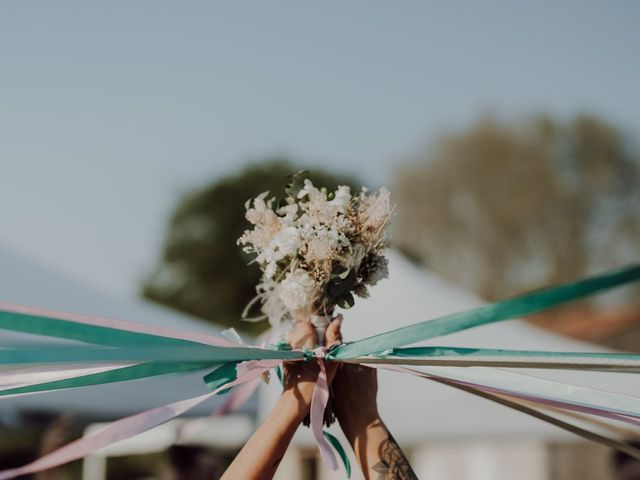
column 316, row 249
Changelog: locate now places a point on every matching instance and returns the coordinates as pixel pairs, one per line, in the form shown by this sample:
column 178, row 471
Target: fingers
column 310, row 341
column 333, row 334
column 303, row 335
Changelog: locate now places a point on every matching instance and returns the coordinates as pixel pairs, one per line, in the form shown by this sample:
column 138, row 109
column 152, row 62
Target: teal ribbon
column 491, row 352
column 227, row 373
column 507, row 309
column 98, row 335
column 335, row 443
column 160, row 355
column 122, row 345
column 28, row 354
column 518, row 383
column 122, row 374
column 470, row 357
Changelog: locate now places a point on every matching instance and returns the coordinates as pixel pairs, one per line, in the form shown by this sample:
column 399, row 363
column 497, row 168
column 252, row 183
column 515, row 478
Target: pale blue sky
column 108, row 110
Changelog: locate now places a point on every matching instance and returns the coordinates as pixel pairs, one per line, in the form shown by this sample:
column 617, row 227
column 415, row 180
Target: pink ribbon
column 319, row 401
column 23, row 376
column 564, row 405
column 120, row 430
column 251, row 370
column 238, row 397
column 120, row 325
column 248, row 380
column 319, row 398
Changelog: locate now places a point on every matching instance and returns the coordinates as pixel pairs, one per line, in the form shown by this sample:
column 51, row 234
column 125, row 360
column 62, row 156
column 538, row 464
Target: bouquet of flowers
column 316, row 249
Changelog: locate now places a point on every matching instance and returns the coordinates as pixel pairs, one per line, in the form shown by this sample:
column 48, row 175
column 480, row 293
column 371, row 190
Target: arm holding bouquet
column 355, row 390
column 261, row 455
column 317, row 249
column 354, row 396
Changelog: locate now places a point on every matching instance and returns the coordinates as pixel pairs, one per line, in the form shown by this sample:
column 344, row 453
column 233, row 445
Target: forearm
column 261, row 455
column 378, row 454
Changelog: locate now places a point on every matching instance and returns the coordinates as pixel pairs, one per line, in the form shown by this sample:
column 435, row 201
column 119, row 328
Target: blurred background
column 131, row 134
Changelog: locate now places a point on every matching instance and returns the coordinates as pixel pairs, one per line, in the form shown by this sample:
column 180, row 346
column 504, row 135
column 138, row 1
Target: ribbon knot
column 253, row 368
column 320, row 352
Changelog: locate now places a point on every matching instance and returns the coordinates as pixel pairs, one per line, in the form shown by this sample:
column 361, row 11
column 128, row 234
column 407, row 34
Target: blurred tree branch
column 504, row 208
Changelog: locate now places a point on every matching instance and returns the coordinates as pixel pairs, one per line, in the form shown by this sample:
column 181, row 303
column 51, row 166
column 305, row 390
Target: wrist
column 296, row 400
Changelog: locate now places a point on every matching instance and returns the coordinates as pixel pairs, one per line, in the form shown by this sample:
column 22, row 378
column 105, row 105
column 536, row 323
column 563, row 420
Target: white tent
column 413, row 294
column 419, row 411
column 24, row 282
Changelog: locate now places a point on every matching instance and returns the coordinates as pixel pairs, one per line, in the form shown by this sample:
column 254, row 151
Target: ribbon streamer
column 26, row 354
column 104, row 375
column 465, row 357
column 97, row 330
column 507, row 309
column 565, row 401
column 319, row 401
column 520, row 405
column 120, row 430
column 122, row 351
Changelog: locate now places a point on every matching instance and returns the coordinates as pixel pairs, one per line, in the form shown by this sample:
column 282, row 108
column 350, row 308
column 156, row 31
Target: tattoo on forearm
column 393, row 464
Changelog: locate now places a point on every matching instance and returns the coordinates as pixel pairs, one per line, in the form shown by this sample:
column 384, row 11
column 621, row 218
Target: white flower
column 307, row 189
column 266, row 224
column 286, row 242
column 260, row 210
column 320, row 245
column 288, row 214
column 270, row 269
column 342, row 197
column 297, row 290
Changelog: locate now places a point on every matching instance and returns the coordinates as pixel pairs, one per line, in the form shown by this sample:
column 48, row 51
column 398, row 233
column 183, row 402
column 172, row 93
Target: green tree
column 202, row 271
column 503, row 208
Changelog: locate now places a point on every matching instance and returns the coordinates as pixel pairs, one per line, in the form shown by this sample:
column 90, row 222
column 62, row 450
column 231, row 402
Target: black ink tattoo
column 393, row 464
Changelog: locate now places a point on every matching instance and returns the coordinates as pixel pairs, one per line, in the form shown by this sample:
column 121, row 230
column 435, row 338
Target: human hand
column 262, row 453
column 300, row 376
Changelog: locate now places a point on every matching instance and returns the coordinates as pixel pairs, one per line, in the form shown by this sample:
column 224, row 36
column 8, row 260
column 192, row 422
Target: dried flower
column 318, row 249
column 297, row 290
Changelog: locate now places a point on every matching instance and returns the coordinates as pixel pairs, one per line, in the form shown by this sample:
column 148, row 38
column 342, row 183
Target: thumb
column 332, row 334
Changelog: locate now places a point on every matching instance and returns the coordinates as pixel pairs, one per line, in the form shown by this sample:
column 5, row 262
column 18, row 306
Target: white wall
column 524, row 460
column 502, row 460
